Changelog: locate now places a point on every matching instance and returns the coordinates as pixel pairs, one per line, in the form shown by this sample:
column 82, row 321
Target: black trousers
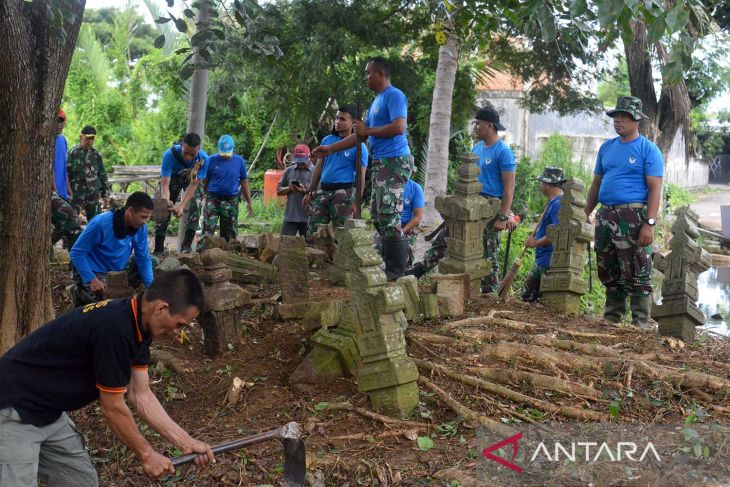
column 292, row 228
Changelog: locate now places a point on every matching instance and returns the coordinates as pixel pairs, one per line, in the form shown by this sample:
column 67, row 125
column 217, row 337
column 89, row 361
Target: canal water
column 714, row 299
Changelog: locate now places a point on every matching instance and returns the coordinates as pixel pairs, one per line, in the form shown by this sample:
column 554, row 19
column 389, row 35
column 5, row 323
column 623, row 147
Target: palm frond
column 90, row 47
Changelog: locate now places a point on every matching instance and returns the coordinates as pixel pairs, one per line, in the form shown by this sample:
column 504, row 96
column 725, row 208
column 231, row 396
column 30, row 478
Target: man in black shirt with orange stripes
column 99, row 351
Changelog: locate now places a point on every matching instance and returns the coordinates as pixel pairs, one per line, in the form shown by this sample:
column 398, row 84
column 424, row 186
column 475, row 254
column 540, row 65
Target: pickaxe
column 295, row 461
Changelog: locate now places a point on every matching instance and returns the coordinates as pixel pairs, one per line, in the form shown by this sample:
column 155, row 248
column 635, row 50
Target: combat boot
column 187, row 242
column 615, row 306
column 395, row 253
column 640, row 308
column 417, row 270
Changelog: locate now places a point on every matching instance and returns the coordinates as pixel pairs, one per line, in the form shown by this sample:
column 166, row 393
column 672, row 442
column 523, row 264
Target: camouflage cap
column 552, row 175
column 630, row 105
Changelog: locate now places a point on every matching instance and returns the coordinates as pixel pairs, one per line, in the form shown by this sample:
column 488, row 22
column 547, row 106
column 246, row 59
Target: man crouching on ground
column 99, row 351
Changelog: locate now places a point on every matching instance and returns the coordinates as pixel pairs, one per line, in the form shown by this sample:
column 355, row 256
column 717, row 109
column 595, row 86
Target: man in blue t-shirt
column 497, row 175
column 100, row 352
column 64, row 219
column 413, row 209
column 386, row 129
column 627, row 181
column 226, row 178
column 60, row 180
column 333, row 185
column 183, row 165
column 551, row 185
column 105, row 246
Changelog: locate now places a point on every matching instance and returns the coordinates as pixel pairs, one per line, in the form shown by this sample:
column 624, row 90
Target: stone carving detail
column 466, row 214
column 224, row 302
column 369, row 341
column 678, row 314
column 292, row 266
column 563, row 286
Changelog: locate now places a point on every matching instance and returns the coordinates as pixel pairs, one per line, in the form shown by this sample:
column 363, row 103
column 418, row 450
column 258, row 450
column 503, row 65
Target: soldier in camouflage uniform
column 332, row 189
column 627, row 181
column 497, row 175
column 386, row 131
column 86, row 175
column 226, row 178
column 435, row 253
column 183, row 166
column 65, row 221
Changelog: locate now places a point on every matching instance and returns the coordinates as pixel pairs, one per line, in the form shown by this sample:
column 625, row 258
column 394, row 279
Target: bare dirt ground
column 584, row 371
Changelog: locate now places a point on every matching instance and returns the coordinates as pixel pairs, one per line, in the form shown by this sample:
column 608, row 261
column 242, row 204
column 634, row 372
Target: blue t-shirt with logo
column 340, row 166
column 224, row 175
column 543, row 254
column 624, row 167
column 412, row 198
column 171, row 166
column 59, row 166
column 493, row 161
column 389, row 105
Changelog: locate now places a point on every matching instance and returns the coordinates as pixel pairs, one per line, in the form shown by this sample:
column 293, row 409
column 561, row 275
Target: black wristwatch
column 502, row 217
column 650, row 221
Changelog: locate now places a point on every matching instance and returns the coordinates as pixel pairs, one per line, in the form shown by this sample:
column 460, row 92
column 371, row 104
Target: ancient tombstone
column 355, row 254
column 117, row 285
column 224, row 303
column 369, row 341
column 292, row 270
column 411, row 298
column 270, row 248
column 678, row 314
column 563, row 286
column 450, row 293
column 324, row 240
column 161, row 211
column 430, row 307
column 466, row 214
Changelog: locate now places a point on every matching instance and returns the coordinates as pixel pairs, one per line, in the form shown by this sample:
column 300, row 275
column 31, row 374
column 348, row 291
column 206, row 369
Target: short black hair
column 192, row 139
column 88, row 130
column 180, row 289
column 381, row 64
column 139, row 200
column 351, row 109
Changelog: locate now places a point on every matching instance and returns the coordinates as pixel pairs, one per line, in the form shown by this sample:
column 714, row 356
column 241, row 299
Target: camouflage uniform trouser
column 437, row 251
column 531, row 289
column 227, row 210
column 390, row 175
column 178, row 186
column 88, row 202
column 65, row 221
column 491, row 240
column 623, row 266
column 330, row 205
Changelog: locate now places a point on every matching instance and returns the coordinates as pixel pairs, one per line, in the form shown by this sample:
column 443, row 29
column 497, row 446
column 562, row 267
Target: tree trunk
column 671, row 111
column 199, row 85
column 439, row 131
column 196, row 107
column 31, row 84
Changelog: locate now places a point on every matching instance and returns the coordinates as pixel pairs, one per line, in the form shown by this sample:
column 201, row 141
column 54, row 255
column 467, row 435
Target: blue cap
column 226, row 145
